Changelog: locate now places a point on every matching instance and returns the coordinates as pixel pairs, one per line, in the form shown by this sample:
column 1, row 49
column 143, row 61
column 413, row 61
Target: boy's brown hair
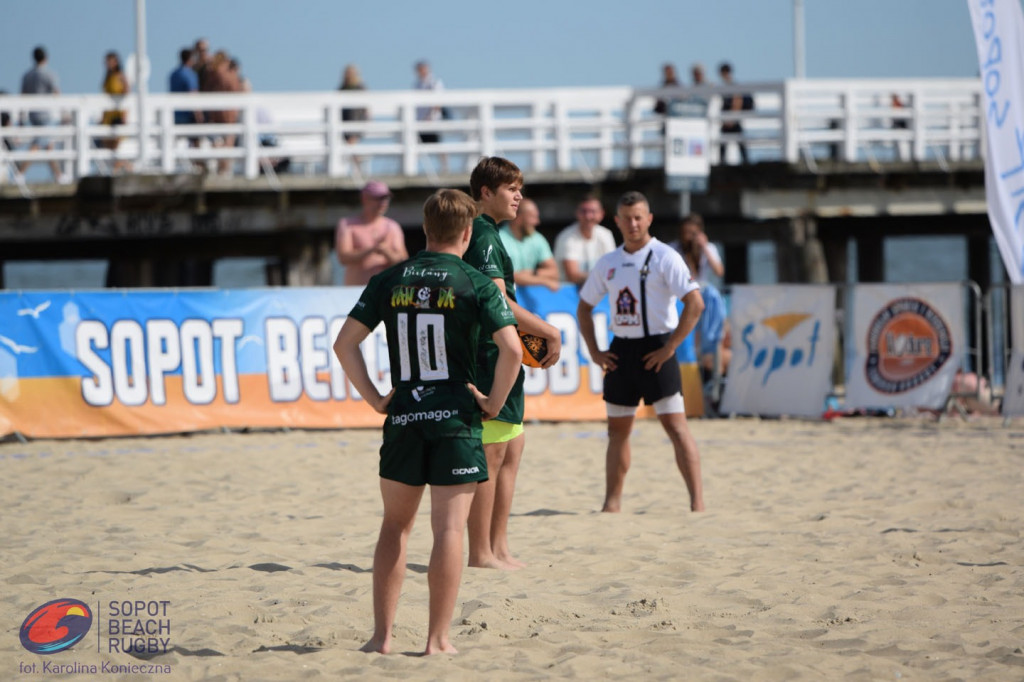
column 492, row 172
column 446, row 213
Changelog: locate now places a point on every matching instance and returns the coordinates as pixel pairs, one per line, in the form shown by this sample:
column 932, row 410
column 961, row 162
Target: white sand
column 868, row 549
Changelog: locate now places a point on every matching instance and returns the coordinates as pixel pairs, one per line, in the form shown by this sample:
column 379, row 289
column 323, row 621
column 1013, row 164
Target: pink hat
column 376, row 189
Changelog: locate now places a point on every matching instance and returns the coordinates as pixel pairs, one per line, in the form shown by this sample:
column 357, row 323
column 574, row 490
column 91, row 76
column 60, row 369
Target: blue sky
column 303, row 45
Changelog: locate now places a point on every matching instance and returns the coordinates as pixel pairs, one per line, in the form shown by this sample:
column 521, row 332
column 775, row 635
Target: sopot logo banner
column 909, row 344
column 782, row 350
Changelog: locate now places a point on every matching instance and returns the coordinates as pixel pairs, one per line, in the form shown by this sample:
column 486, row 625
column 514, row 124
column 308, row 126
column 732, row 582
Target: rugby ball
column 534, row 349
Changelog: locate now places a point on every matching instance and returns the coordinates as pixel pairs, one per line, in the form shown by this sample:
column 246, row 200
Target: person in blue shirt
column 529, row 249
column 184, row 79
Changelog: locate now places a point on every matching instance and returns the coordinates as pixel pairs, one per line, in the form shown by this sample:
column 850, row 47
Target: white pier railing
column 586, row 131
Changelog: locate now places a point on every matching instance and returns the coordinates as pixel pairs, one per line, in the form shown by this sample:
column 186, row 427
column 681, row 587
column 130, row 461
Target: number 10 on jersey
column 430, row 348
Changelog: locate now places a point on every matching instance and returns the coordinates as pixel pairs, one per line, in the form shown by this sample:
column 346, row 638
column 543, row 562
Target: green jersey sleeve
column 494, row 310
column 366, row 309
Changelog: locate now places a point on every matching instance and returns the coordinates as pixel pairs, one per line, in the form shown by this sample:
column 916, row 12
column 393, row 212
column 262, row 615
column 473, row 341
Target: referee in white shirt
column 643, row 279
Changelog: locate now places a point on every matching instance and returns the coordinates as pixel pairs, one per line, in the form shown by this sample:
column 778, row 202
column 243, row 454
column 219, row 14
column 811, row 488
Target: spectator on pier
column 578, row 246
column 697, row 73
column 532, row 260
column 242, row 83
column 185, row 79
column 352, row 80
column 901, row 148
column 115, row 85
column 222, row 79
column 736, row 102
column 40, row 80
column 669, row 79
column 370, row 242
column 426, row 80
column 202, row 58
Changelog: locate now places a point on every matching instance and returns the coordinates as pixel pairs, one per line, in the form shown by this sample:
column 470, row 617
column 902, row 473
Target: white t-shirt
column 570, row 244
column 618, row 274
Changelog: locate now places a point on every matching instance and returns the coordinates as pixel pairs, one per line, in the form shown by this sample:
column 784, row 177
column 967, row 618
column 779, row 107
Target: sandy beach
column 867, row 549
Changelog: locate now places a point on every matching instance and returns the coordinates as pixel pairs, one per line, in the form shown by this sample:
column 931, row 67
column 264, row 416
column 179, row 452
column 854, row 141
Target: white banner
column 907, row 343
column 1013, row 396
column 999, row 36
column 782, row 350
column 686, row 147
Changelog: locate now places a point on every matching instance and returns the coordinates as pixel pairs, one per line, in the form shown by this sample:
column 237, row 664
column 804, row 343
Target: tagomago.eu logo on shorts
column 55, row 626
column 908, row 342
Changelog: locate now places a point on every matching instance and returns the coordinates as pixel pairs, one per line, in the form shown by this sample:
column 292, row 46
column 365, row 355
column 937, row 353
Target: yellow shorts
column 500, row 432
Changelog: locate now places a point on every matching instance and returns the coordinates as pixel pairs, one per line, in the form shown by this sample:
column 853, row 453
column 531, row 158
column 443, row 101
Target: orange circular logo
column 908, row 342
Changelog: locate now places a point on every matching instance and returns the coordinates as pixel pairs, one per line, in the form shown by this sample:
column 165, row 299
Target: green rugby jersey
column 488, row 255
column 435, row 309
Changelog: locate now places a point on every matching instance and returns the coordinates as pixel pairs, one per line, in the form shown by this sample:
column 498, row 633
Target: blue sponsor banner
column 122, row 362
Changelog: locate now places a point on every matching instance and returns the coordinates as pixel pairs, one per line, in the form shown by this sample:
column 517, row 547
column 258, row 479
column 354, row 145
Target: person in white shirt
column 579, row 245
column 426, row 80
column 643, row 278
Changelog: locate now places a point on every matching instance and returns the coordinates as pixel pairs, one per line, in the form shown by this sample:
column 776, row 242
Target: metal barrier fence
column 586, row 131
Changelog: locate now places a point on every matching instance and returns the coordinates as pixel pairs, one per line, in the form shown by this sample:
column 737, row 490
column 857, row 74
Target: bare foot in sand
column 515, row 563
column 697, row 506
column 612, row 506
column 491, row 562
column 377, row 646
column 444, row 647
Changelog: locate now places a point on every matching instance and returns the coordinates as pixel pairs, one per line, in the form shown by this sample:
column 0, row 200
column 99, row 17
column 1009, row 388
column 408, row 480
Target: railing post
column 539, row 112
column 81, row 120
column 409, row 139
column 487, row 142
column 563, row 151
column 920, row 143
column 334, row 165
column 634, row 151
column 955, row 151
column 979, row 106
column 605, row 157
column 166, row 121
column 789, row 124
column 849, row 127
column 252, row 144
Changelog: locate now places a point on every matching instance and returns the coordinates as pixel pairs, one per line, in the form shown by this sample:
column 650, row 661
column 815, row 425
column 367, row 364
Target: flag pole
column 799, row 68
column 140, row 80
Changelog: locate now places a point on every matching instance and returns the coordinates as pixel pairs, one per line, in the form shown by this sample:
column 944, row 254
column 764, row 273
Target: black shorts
column 430, row 138
column 630, row 381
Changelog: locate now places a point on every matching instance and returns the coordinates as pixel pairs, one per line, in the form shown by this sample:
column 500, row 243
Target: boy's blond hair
column 446, row 213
